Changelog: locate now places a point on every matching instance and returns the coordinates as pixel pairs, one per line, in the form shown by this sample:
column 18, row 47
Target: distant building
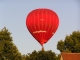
column 70, row 56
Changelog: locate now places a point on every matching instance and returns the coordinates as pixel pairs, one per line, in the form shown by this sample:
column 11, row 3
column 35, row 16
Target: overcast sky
column 13, row 15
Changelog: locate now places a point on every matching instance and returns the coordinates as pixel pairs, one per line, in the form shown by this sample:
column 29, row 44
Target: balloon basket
column 42, row 48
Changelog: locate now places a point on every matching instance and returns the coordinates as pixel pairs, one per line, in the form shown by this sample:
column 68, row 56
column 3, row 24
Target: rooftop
column 71, row 56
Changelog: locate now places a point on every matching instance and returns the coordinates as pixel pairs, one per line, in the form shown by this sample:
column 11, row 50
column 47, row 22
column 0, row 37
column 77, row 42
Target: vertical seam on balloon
column 38, row 24
column 38, row 27
column 47, row 25
column 56, row 23
column 51, row 27
column 29, row 24
column 44, row 24
column 41, row 26
column 35, row 27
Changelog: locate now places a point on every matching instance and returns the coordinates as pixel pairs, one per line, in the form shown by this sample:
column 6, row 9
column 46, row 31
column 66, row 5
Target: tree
column 58, row 56
column 8, row 50
column 41, row 55
column 71, row 43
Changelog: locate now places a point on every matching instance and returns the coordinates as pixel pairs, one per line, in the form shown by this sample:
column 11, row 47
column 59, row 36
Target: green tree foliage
column 8, row 51
column 41, row 55
column 71, row 43
column 58, row 56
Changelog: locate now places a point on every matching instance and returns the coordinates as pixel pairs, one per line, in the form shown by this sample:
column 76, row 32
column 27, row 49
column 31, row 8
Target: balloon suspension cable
column 42, row 48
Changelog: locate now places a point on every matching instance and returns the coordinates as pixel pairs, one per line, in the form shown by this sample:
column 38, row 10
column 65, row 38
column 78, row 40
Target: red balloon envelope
column 42, row 23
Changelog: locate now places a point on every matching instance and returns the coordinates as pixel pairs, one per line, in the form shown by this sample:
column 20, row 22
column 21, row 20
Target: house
column 70, row 56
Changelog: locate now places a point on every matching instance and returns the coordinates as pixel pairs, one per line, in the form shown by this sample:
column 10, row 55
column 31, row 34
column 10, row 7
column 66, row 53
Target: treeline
column 9, row 51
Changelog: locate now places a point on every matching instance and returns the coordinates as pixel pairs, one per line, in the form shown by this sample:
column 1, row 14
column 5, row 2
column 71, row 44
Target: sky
column 13, row 15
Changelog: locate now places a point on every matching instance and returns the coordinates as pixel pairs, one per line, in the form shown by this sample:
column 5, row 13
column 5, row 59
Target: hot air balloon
column 42, row 23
